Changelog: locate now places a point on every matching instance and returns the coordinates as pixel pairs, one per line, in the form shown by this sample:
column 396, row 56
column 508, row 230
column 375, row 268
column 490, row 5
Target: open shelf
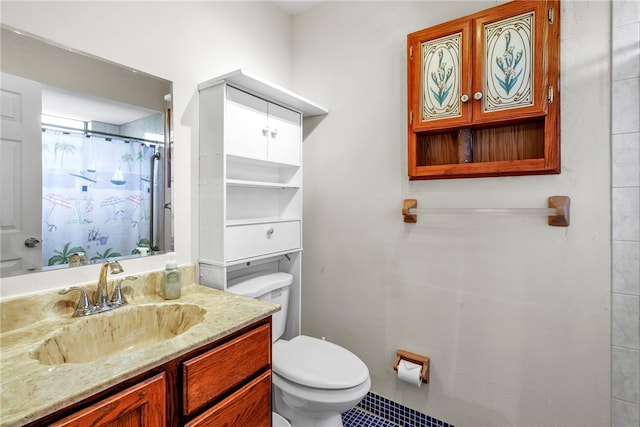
column 496, row 144
column 259, row 184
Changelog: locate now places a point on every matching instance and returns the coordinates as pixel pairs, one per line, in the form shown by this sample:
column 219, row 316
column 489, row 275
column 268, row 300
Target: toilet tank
column 272, row 287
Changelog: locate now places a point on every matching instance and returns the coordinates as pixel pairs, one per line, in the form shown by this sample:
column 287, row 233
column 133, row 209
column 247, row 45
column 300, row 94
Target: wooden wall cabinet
column 483, row 94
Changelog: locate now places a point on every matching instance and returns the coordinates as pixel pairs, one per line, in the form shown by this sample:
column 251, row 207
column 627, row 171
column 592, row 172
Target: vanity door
column 144, row 404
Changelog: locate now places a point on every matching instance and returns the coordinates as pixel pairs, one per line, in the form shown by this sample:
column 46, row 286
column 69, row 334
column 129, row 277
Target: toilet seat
column 317, row 363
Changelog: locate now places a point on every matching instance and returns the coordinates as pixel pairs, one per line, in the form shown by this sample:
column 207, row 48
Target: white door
column 21, row 175
column 285, row 134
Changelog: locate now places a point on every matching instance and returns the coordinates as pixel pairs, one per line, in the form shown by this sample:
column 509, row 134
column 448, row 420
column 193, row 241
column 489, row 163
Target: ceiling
column 295, row 7
column 71, row 105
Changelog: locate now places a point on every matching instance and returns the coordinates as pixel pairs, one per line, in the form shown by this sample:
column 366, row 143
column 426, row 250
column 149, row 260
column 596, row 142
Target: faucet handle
column 85, row 306
column 78, row 258
column 118, row 298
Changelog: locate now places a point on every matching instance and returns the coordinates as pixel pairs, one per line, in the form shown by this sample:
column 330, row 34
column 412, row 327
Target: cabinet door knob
column 464, row 98
column 477, row 96
column 274, row 133
column 269, row 232
column 265, row 131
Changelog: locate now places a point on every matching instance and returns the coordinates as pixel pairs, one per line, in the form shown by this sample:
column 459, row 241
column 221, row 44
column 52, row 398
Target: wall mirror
column 85, row 158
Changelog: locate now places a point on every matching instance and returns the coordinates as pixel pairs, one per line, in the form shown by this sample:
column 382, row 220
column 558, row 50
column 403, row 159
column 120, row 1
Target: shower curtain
column 95, row 195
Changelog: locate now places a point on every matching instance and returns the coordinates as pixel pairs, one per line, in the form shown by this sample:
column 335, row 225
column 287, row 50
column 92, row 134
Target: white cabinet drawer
column 246, row 241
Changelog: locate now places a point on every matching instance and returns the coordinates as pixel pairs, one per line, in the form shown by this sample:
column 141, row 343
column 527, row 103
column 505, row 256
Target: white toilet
column 314, row 381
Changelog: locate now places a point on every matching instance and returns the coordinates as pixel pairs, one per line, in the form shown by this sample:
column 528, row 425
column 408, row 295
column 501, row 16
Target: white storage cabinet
column 250, row 184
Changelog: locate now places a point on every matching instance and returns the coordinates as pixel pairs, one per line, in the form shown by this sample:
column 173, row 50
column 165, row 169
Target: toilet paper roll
column 409, row 373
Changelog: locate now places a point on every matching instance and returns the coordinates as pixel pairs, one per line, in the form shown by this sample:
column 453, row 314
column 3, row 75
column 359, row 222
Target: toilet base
column 333, row 421
column 304, row 415
column 310, row 407
column 297, row 420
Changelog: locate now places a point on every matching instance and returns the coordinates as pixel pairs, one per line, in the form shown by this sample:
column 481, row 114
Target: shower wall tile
column 626, row 45
column 625, row 374
column 625, row 154
column 625, row 179
column 625, row 107
column 625, row 12
column 626, row 321
column 626, row 267
column 624, row 414
column 625, row 213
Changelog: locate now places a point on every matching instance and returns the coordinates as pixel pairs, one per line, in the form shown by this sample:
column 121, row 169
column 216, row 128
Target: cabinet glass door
column 509, row 75
column 440, row 73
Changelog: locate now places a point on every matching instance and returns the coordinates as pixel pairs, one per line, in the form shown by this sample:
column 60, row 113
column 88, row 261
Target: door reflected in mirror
column 85, row 152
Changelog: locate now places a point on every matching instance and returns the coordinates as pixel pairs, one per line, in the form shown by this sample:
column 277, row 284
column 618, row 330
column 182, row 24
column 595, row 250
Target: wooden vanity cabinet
column 143, row 404
column 483, row 93
column 224, row 383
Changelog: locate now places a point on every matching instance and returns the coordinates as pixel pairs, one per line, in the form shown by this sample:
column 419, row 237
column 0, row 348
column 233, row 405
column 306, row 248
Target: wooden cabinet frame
column 463, row 121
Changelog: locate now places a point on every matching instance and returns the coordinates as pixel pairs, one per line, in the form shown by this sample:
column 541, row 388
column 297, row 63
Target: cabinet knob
column 464, row 98
column 274, row 133
column 265, row 131
column 477, row 96
column 269, row 232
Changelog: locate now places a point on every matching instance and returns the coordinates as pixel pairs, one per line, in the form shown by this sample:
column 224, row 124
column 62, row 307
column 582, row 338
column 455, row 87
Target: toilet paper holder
column 414, row 358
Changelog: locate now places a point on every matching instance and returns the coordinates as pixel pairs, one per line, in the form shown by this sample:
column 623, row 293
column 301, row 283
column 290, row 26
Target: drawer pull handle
column 269, row 232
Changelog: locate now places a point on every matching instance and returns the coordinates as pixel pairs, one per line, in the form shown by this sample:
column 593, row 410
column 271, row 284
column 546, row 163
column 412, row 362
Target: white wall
column 185, row 42
column 513, row 313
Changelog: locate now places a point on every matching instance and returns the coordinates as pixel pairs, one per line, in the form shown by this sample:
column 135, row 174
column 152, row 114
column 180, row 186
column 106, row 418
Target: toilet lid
column 316, row 363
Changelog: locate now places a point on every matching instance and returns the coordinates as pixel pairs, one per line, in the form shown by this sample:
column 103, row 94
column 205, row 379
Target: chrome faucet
column 102, row 303
column 101, row 297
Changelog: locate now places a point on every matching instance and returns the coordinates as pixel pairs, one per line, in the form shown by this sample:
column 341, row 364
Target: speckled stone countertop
column 31, row 390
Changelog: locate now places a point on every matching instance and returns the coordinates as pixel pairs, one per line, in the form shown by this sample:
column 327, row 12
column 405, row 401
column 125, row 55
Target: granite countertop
column 31, row 390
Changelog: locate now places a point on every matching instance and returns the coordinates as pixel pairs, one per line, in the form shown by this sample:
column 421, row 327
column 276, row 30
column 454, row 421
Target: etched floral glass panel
column 509, row 70
column 441, row 60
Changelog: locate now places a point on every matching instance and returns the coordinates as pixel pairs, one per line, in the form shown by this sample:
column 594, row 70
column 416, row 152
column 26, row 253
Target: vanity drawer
column 249, row 406
column 211, row 374
column 246, row 241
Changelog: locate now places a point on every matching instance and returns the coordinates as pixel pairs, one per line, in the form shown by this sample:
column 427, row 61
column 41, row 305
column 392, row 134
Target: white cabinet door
column 246, row 124
column 262, row 130
column 284, row 135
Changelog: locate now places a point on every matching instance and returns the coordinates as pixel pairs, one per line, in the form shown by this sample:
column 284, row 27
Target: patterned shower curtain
column 96, row 195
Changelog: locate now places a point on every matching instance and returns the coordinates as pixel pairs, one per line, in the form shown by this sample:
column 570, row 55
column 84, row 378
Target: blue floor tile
column 356, row 417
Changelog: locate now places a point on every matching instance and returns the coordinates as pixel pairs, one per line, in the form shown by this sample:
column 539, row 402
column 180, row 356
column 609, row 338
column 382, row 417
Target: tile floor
column 357, row 417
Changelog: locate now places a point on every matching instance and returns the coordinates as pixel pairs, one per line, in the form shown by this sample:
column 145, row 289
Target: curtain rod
column 97, row 132
column 557, row 211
